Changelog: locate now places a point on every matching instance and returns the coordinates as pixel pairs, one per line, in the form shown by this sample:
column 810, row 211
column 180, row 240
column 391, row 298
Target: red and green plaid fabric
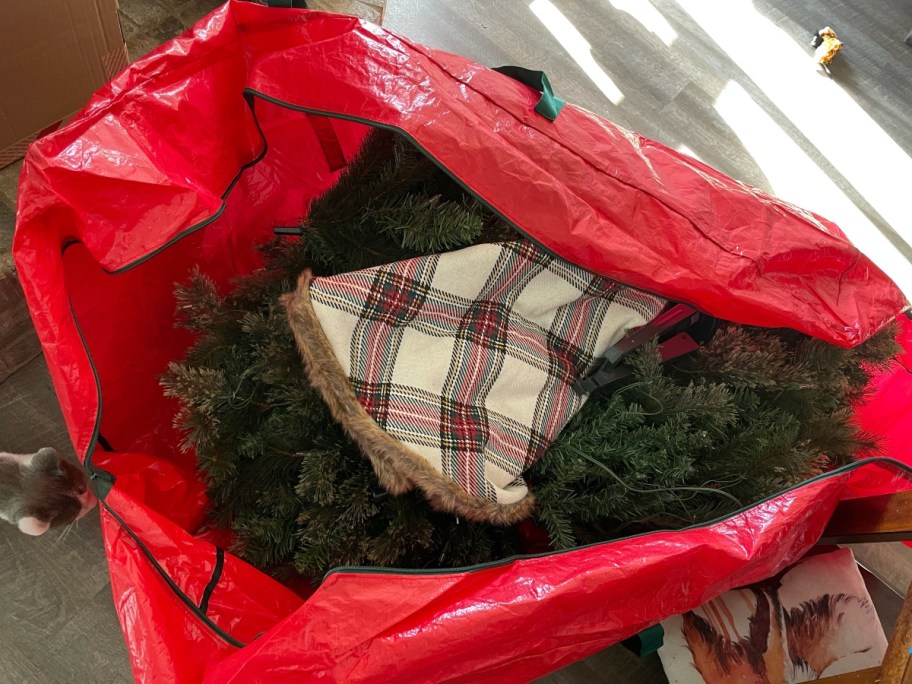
column 468, row 357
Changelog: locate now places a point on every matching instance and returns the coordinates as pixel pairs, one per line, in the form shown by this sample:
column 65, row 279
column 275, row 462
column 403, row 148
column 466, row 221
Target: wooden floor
column 57, row 622
column 733, row 85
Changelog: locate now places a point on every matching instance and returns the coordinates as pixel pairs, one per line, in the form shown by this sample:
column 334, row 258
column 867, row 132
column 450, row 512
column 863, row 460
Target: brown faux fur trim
column 397, row 467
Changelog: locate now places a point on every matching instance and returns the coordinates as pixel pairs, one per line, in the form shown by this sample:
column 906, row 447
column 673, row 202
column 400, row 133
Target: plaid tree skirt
column 453, row 372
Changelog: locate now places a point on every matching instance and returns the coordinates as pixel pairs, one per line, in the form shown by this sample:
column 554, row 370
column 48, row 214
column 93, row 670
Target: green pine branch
column 752, row 412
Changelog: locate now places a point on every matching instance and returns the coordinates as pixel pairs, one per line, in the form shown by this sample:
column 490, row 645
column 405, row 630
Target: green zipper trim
column 902, row 470
column 395, row 129
column 249, row 93
column 439, row 165
column 901, row 467
column 101, row 482
column 221, row 210
column 176, row 589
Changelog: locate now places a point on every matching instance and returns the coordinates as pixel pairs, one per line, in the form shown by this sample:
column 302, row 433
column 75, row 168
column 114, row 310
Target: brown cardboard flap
column 55, row 54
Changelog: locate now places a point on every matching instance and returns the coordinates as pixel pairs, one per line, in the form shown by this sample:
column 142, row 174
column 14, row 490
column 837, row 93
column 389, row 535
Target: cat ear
column 44, row 460
column 33, row 526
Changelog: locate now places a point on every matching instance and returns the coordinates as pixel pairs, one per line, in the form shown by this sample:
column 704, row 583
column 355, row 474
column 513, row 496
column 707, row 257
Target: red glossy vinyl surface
column 168, row 168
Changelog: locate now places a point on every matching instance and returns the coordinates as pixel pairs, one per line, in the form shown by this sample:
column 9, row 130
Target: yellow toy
column 827, row 45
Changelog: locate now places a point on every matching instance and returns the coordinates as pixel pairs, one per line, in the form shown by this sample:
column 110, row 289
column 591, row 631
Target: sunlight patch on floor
column 649, row 18
column 795, row 178
column 576, row 46
column 878, row 169
column 684, row 149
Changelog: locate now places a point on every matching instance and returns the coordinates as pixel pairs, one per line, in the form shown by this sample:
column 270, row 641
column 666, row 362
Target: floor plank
column 30, row 416
column 58, row 623
column 7, row 224
column 18, row 341
column 103, row 658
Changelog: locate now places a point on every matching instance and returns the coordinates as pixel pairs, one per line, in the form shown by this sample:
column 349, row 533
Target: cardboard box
column 371, row 10
column 53, row 55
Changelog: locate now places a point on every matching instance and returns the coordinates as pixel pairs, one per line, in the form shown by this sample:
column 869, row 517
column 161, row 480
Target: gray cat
column 42, row 490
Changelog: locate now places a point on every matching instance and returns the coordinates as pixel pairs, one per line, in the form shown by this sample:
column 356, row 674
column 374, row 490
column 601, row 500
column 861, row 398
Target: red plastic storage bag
column 192, row 156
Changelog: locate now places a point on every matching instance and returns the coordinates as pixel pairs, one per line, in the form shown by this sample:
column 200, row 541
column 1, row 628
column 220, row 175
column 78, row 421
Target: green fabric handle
column 550, row 105
column 297, row 4
column 100, row 482
column 646, row 642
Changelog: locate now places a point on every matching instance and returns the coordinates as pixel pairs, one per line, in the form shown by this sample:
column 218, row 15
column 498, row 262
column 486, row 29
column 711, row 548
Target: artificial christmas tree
column 453, row 373
column 754, row 411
